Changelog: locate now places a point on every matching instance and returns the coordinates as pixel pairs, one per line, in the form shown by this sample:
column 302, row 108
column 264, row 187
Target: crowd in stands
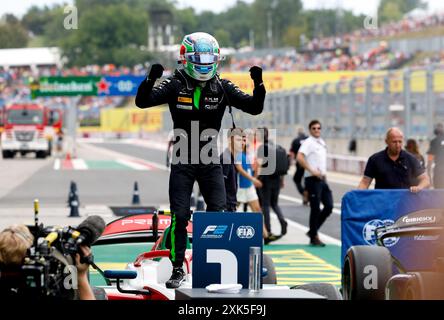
column 15, row 86
column 436, row 58
column 337, row 53
column 410, row 23
column 379, row 58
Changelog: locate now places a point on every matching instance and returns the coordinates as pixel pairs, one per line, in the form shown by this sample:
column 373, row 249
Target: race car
column 145, row 277
column 415, row 272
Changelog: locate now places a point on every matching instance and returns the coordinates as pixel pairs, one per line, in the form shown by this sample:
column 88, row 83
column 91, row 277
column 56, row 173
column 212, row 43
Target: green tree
column 280, row 14
column 36, row 19
column 186, row 20
column 393, row 10
column 103, row 31
column 238, row 21
column 223, row 37
column 12, row 33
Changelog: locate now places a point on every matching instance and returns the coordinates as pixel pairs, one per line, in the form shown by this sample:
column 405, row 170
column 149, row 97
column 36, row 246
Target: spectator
column 353, row 146
column 271, row 186
column 299, row 173
column 436, row 157
column 412, row 147
column 246, row 192
column 394, row 168
column 312, row 156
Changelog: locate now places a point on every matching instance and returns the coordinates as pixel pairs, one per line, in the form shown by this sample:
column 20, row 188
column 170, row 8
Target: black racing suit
column 187, row 107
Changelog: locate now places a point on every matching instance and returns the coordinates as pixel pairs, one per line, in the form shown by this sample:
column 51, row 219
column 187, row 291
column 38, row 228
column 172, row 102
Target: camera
column 49, row 268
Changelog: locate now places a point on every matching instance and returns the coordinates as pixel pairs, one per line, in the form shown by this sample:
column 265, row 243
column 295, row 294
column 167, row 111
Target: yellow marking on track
column 297, row 261
column 304, row 267
column 309, row 273
column 297, row 283
column 322, row 268
column 317, row 279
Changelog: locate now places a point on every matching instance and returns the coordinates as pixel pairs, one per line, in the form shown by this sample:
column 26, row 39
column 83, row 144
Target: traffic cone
column 73, row 201
column 200, row 206
column 68, row 156
column 136, row 197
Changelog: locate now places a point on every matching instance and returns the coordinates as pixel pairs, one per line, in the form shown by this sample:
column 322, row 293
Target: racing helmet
column 200, row 55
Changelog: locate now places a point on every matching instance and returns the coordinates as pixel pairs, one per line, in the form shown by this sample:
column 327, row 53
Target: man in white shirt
column 312, row 156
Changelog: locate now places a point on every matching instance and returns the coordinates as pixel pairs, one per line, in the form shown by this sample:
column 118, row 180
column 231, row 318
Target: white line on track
column 132, row 165
column 79, row 164
column 57, row 164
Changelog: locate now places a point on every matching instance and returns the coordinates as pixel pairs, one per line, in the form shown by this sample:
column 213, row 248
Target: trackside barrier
column 346, row 164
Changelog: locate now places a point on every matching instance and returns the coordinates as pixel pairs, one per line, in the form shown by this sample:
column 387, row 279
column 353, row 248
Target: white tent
column 30, row 57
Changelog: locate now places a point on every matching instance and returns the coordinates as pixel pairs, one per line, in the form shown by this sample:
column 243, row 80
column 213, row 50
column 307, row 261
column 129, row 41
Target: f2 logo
column 216, row 230
column 228, row 264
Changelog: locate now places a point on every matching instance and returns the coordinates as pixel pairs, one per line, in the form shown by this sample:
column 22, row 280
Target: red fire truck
column 29, row 127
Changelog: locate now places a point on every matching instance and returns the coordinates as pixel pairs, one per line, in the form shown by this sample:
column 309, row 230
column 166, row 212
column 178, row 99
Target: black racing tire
column 326, row 290
column 361, row 265
column 268, row 263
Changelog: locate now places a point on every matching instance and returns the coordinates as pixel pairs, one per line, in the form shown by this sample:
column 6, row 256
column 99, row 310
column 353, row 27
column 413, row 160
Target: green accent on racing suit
column 197, row 93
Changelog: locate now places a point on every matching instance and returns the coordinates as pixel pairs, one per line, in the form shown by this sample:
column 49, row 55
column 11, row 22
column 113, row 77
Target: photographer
column 14, row 244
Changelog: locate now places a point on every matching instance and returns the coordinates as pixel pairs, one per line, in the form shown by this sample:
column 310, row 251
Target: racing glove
column 256, row 75
column 155, row 72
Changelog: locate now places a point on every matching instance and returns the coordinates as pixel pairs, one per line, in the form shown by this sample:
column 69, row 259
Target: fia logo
column 369, row 235
column 245, row 232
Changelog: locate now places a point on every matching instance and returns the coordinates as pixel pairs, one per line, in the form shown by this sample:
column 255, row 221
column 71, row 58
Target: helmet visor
column 202, row 58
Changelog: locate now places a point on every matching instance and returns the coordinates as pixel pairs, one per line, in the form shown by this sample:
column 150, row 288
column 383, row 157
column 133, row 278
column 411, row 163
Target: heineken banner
column 86, row 86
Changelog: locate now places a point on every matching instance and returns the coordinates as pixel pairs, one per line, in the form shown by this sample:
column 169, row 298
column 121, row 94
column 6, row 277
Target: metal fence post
column 324, row 107
column 352, row 111
column 302, row 107
column 407, row 103
column 430, row 98
column 368, row 104
column 338, row 109
column 388, row 117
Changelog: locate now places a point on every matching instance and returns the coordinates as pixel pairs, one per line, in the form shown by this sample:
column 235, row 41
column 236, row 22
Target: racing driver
column 197, row 97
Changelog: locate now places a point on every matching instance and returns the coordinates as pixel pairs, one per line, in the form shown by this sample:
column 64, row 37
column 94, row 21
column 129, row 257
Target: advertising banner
column 86, row 86
column 365, row 210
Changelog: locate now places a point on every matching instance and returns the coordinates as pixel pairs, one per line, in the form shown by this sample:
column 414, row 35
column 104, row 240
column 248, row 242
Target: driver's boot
column 176, row 279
